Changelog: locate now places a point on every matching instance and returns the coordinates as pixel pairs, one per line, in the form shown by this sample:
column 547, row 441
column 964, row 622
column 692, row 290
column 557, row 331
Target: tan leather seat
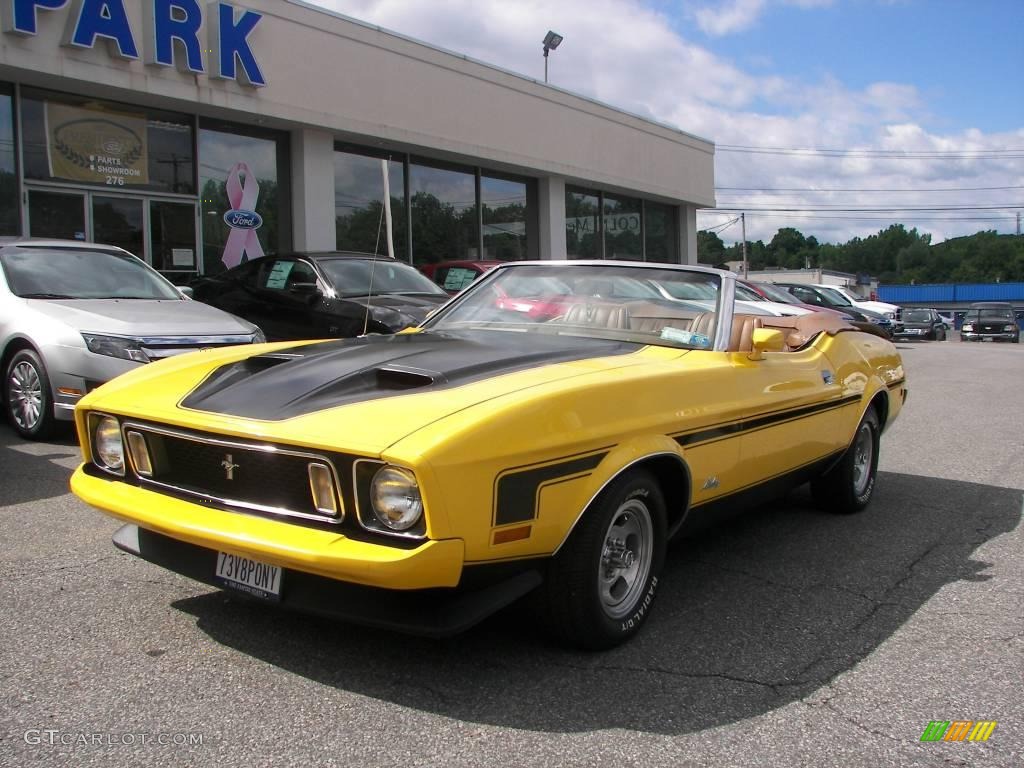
column 704, row 324
column 743, row 327
column 651, row 318
column 603, row 315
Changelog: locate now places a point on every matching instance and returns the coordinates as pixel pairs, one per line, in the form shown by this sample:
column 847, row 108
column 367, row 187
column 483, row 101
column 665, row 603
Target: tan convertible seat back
column 651, row 318
column 602, row 314
column 743, row 327
column 704, row 324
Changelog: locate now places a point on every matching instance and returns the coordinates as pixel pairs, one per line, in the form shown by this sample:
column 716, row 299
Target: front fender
column 640, row 451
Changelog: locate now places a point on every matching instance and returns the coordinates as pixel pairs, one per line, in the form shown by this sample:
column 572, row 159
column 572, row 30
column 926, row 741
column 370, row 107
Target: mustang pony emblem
column 229, row 467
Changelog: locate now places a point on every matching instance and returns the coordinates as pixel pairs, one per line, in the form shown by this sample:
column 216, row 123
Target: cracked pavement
column 782, row 637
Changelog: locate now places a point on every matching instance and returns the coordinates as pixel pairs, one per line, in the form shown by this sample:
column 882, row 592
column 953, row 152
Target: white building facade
column 199, row 135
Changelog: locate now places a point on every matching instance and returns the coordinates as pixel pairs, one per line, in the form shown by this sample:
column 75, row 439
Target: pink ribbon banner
column 242, row 218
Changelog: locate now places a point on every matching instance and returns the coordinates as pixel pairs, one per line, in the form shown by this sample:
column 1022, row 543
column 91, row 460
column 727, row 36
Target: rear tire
column 849, row 485
column 599, row 588
column 27, row 396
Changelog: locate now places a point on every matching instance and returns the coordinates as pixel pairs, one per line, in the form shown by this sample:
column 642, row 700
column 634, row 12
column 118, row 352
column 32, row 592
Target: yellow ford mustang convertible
column 549, row 428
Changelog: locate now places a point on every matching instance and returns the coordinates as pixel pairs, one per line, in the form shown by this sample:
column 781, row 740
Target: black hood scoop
column 302, row 380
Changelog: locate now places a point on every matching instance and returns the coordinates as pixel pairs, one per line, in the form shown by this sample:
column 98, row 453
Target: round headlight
column 396, row 500
column 109, row 448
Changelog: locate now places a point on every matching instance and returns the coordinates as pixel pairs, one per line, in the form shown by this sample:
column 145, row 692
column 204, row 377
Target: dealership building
column 199, row 135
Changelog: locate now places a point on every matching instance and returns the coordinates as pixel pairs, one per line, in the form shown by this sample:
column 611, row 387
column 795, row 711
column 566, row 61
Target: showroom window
column 506, row 226
column 439, row 212
column 627, row 228
column 359, row 218
column 120, row 147
column 582, row 224
column 623, row 238
column 442, row 203
column 243, row 186
column 661, row 241
column 9, row 217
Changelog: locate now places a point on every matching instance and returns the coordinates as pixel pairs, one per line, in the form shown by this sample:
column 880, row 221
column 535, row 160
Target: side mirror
column 187, row 292
column 766, row 340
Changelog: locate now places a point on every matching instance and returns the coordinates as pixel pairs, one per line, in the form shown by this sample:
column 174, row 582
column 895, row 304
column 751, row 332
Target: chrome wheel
column 26, row 395
column 625, row 558
column 863, row 455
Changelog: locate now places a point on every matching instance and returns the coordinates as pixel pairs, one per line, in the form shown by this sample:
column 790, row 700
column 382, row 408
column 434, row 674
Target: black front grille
column 251, row 477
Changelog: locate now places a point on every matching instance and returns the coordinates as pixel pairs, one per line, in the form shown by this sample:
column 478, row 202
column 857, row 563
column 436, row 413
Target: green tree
column 710, row 248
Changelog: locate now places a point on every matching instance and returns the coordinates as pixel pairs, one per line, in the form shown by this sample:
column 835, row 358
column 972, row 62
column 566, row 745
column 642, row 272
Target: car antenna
column 385, row 217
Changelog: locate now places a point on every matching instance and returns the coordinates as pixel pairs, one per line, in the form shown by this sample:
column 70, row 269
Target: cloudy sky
column 837, row 117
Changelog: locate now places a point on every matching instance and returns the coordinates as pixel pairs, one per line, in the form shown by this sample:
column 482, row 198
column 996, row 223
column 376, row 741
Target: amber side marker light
column 506, row 535
column 70, row 391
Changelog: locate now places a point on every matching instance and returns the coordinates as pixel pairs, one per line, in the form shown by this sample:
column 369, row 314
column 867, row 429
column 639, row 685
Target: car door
column 792, row 411
column 290, row 292
column 234, row 291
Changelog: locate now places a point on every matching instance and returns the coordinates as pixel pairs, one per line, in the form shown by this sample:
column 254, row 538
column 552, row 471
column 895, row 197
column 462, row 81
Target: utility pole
column 1018, row 222
column 743, row 226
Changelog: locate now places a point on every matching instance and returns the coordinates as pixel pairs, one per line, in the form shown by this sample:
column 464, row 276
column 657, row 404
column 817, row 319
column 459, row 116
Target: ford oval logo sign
column 238, row 219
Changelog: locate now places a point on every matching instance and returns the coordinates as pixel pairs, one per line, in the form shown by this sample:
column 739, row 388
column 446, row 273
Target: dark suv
column 990, row 320
column 920, row 324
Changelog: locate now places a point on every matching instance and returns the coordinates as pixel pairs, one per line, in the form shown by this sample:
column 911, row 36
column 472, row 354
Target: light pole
column 551, row 41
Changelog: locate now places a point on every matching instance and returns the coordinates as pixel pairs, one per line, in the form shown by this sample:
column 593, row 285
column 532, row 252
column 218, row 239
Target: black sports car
column 323, row 295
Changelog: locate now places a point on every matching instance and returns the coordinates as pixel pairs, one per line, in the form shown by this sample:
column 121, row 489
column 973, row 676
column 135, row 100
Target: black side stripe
column 516, row 491
column 896, row 384
column 720, row 431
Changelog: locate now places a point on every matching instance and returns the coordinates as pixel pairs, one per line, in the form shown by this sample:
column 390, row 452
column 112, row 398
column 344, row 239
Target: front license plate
column 252, row 576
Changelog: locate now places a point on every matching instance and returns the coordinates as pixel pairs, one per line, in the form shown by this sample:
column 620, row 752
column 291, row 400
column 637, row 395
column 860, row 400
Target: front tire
column 27, row 396
column 600, row 586
column 849, row 485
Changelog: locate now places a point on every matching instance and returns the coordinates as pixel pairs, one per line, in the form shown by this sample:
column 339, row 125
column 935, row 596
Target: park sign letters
column 170, row 35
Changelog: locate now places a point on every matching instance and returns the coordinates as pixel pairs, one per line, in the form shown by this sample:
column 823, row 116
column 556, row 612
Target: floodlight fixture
column 551, row 41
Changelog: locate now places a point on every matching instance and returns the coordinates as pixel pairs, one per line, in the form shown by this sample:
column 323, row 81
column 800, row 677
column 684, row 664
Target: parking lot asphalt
column 784, row 637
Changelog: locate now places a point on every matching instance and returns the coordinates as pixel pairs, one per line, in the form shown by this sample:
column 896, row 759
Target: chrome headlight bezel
column 392, row 488
column 106, row 441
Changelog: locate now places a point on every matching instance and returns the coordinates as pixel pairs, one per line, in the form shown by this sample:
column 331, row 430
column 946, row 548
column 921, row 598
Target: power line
column 812, row 190
column 890, row 154
column 833, row 209
column 820, row 217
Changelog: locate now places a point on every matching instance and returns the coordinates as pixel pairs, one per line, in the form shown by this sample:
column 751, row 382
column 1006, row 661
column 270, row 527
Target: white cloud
column 654, row 71
column 726, row 18
column 731, row 16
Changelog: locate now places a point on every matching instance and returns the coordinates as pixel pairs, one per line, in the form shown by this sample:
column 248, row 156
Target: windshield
column 352, row 277
column 82, row 273
column 916, row 316
column 606, row 301
column 991, row 314
column 775, row 293
column 835, row 297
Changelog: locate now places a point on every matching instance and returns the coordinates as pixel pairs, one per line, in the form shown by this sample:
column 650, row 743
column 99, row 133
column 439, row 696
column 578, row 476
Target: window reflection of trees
column 446, row 222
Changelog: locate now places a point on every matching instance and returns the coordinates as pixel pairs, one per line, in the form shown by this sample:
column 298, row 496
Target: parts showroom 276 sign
column 96, row 146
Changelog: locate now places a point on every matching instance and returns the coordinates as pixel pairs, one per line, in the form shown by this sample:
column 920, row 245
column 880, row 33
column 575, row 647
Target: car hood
column 412, row 307
column 300, row 381
column 878, row 306
column 375, row 389
column 142, row 317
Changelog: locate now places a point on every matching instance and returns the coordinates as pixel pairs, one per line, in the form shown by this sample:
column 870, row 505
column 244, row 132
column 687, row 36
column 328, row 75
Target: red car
column 453, row 276
column 773, row 292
